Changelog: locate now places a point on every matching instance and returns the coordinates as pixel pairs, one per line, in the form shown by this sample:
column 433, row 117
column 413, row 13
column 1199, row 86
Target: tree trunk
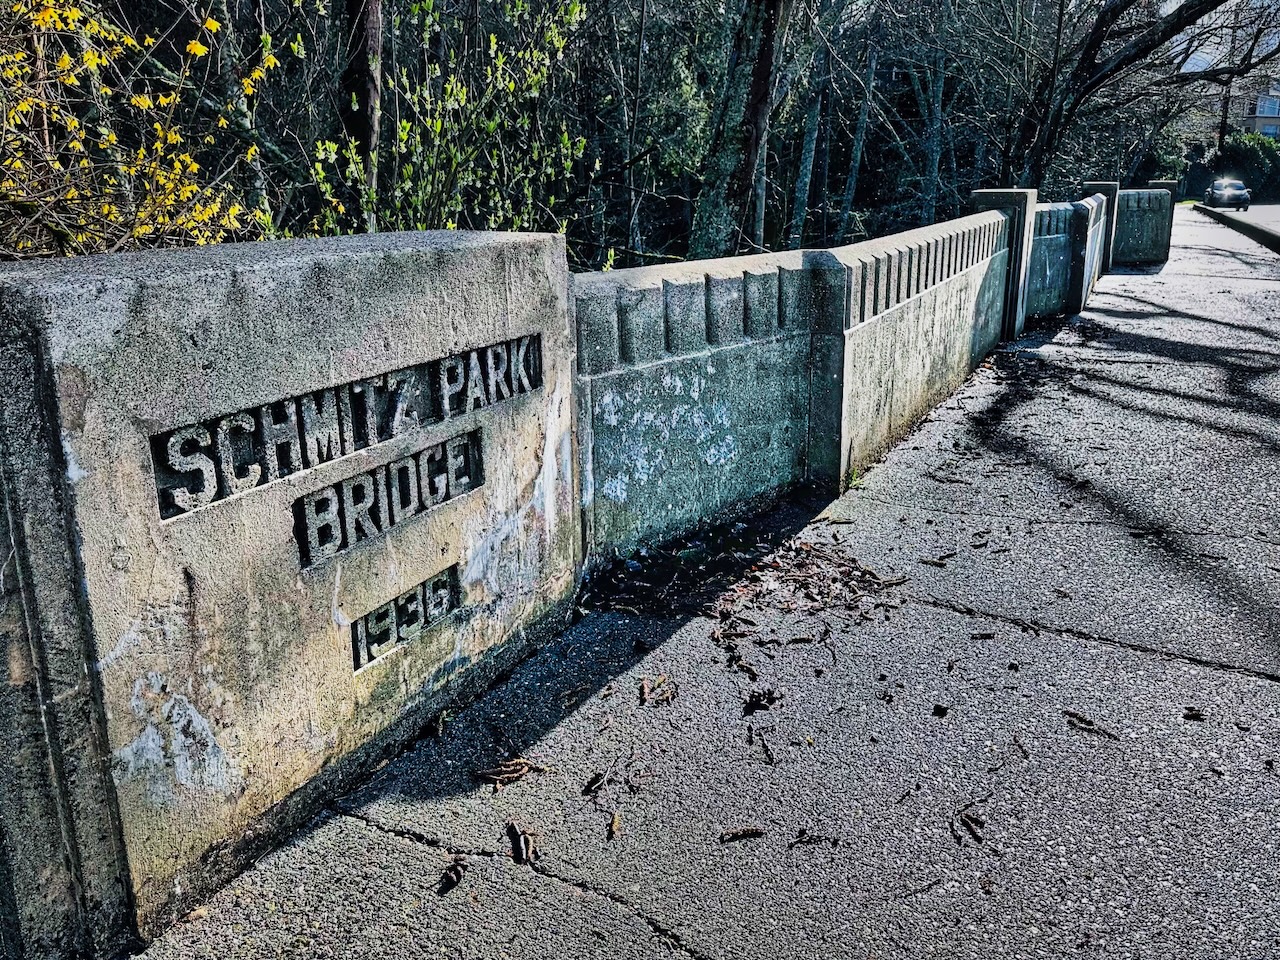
column 1224, row 122
column 729, row 172
column 360, row 107
column 634, row 236
column 758, row 207
column 804, row 176
column 855, row 151
column 936, row 79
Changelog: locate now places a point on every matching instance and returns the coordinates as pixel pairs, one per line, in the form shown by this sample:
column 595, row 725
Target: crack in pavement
column 1038, row 626
column 414, row 836
column 1065, row 353
column 665, row 933
column 670, row 937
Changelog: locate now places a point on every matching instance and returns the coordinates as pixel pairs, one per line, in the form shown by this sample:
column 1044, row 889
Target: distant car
column 1228, row 193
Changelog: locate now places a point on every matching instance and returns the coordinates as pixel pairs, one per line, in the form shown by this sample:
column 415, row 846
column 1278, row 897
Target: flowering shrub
column 94, row 152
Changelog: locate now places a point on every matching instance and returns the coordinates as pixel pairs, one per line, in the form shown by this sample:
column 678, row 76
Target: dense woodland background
column 645, row 130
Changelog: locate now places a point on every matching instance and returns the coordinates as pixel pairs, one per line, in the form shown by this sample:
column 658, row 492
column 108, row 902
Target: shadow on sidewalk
column 624, row 611
column 1000, row 429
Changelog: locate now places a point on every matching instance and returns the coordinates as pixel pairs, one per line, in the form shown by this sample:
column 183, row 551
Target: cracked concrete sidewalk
column 1058, row 737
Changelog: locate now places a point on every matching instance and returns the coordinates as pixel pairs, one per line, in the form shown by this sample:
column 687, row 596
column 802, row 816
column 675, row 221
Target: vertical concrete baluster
column 596, row 304
column 725, row 309
column 1019, row 206
column 760, row 294
column 1111, row 190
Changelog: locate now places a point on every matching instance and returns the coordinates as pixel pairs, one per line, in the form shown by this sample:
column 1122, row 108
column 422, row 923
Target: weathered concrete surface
column 1066, row 256
column 693, row 392
column 1110, row 191
column 705, row 385
column 1049, row 270
column 240, row 635
column 901, row 363
column 1058, row 738
column 1088, row 249
column 1020, row 206
column 1143, row 227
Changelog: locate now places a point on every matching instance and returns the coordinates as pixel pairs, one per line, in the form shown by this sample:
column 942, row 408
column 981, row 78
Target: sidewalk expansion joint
column 661, row 930
column 1148, row 531
column 1066, row 354
column 665, row 933
column 414, row 836
column 1037, row 626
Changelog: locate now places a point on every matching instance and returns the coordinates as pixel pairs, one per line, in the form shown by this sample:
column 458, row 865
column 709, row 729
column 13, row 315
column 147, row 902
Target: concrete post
column 1078, row 287
column 1111, row 190
column 1020, row 205
column 132, row 785
column 1175, row 194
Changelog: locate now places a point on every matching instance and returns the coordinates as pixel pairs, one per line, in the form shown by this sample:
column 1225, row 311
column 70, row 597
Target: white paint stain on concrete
column 164, row 621
column 650, row 433
column 548, row 477
column 483, row 560
column 615, row 488
column 609, row 407
column 75, row 472
column 177, row 749
column 340, row 619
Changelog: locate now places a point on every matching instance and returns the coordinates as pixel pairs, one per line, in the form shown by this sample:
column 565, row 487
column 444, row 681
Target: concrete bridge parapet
column 271, row 507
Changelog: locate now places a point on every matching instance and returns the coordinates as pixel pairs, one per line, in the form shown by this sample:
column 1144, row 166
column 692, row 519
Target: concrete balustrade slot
column 271, row 507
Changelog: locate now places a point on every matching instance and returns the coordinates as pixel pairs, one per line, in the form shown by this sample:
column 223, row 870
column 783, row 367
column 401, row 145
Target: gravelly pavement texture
column 1056, row 737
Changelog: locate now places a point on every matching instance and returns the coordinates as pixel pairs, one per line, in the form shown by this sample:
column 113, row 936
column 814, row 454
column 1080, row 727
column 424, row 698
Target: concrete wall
column 267, row 508
column 693, row 391
column 279, row 501
column 1144, row 223
column 1067, row 253
column 1049, row 272
column 706, row 385
column 904, row 352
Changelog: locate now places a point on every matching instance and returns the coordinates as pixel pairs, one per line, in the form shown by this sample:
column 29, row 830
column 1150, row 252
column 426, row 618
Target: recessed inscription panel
column 403, row 620
column 219, row 458
column 336, row 518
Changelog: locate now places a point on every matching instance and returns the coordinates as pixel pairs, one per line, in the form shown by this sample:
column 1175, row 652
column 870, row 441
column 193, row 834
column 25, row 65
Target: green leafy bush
column 1253, row 158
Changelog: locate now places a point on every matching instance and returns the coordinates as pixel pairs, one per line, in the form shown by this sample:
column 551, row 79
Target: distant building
column 1262, row 111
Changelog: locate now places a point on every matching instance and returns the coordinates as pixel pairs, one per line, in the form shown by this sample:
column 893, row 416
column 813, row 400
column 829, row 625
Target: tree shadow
column 995, row 427
column 625, row 611
column 1242, row 256
column 636, row 605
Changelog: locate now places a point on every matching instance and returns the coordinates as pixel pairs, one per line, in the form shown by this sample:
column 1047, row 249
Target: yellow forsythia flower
column 251, row 153
column 211, row 25
column 197, row 49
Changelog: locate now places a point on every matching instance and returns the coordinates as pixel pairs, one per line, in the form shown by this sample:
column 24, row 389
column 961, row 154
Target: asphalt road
column 1058, row 736
column 1263, row 214
column 1267, row 214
